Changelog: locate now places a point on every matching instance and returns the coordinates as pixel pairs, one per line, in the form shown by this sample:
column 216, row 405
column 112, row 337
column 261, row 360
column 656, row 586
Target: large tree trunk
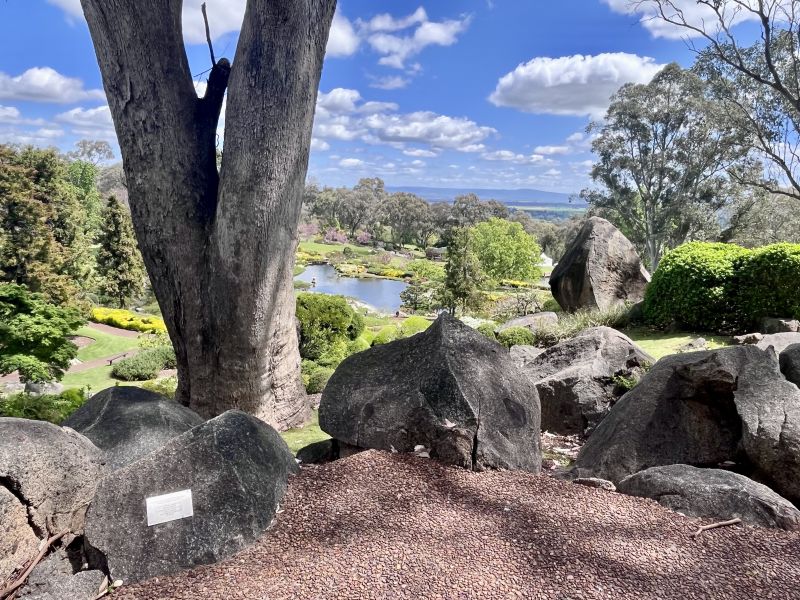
column 219, row 246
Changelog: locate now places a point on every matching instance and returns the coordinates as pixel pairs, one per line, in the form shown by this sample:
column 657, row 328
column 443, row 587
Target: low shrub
column 358, row 345
column 516, row 336
column 413, row 325
column 318, row 379
column 145, row 365
column 125, row 319
column 327, row 325
column 487, row 329
column 387, row 334
column 49, row 407
column 570, row 324
column 166, row 386
column 691, row 287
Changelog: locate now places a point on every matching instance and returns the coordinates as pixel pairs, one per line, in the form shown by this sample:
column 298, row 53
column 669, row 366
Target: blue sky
column 465, row 93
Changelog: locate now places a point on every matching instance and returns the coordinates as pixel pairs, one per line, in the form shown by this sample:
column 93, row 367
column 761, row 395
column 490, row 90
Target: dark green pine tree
column 463, row 274
column 119, row 262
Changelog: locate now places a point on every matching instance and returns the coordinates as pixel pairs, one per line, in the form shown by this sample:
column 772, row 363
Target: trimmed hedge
column 766, row 283
column 147, row 364
column 49, row 407
column 125, row 319
column 723, row 287
column 487, row 329
column 414, row 325
column 327, row 324
column 691, row 287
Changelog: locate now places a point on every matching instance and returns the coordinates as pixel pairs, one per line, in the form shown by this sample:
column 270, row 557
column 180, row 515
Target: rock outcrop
column 18, row 542
column 580, row 379
column 129, row 422
column 778, row 341
column 236, row 468
column 52, row 471
column 713, row 494
column 449, row 389
column 682, row 412
column 599, row 269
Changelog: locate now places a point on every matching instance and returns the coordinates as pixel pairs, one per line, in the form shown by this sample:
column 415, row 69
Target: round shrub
column 414, row 325
column 387, row 334
column 487, row 329
column 147, row 364
column 691, row 287
column 327, row 323
column 765, row 284
column 318, row 379
column 516, row 336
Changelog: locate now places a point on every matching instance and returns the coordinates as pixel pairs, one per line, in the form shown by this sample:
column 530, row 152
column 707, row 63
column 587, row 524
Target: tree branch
column 208, row 34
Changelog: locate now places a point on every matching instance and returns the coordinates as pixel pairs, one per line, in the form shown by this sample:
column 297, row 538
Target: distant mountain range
column 522, row 197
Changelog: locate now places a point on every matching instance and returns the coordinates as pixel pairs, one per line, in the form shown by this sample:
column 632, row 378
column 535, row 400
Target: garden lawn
column 325, row 249
column 97, row 379
column 303, row 436
column 659, row 344
column 104, row 345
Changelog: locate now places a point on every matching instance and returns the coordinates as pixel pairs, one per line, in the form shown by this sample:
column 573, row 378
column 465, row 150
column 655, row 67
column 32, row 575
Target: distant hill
column 551, row 206
column 510, row 197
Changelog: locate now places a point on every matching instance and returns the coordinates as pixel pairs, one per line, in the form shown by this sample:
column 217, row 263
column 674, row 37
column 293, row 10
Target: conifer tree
column 119, row 262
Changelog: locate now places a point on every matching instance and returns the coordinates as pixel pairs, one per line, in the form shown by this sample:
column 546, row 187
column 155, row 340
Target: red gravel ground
column 381, row 525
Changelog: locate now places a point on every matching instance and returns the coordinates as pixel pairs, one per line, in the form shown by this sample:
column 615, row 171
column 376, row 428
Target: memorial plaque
column 169, row 507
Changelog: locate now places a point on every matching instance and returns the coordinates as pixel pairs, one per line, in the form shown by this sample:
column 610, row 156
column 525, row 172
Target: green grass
column 303, row 436
column 325, row 249
column 105, row 344
column 98, row 379
column 659, row 345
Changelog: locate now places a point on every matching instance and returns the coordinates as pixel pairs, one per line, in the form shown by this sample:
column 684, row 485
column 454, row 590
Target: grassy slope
column 659, row 345
column 105, row 344
column 297, row 438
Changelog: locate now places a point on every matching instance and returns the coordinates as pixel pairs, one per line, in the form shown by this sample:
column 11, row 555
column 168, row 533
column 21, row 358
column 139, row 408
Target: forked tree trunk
column 219, row 246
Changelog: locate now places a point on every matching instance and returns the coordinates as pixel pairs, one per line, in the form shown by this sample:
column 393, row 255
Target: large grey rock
column 682, row 412
column 769, row 407
column 236, row 467
column 523, row 355
column 790, row 363
column 449, row 389
column 578, row 380
column 779, row 341
column 129, row 422
column 40, row 389
column 714, row 494
column 18, row 542
column 533, row 322
column 599, row 269
column 773, row 325
column 52, row 470
column 54, row 579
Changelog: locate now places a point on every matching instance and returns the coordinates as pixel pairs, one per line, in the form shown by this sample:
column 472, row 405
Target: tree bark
column 219, row 245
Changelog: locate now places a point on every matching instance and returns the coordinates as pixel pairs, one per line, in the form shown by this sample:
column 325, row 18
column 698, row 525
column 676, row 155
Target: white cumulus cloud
column 571, row 85
column 351, row 163
column 550, row 150
column 44, row 84
column 513, row 157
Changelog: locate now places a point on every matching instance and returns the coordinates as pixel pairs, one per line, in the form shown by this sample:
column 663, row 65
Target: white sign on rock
column 169, row 507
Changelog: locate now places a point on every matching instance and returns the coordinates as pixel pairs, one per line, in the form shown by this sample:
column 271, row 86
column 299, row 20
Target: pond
column 381, row 294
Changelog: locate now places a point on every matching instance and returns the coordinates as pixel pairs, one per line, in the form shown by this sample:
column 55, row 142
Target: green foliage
column 691, row 287
column 147, row 364
column 166, row 386
column 327, row 325
column 49, row 407
column 157, row 339
column 570, row 324
column 43, row 241
column 625, row 383
column 463, row 274
column 413, row 325
column 487, row 329
column 516, row 336
column 426, row 269
column 119, row 262
column 421, row 296
column 359, row 344
column 318, row 380
column 125, row 319
column 506, row 251
column 34, row 335
column 387, row 334
column 765, row 283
